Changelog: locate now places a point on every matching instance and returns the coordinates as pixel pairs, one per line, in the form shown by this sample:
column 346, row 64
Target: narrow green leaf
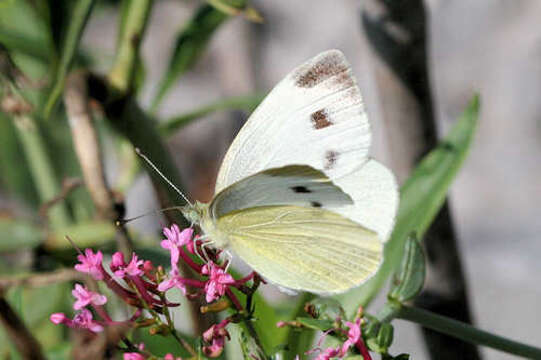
column 190, row 44
column 421, row 197
column 16, row 178
column 41, row 167
column 18, row 234
column 84, row 234
column 315, row 324
column 78, row 21
column 411, row 276
column 249, row 348
column 24, row 43
column 133, row 22
column 247, row 103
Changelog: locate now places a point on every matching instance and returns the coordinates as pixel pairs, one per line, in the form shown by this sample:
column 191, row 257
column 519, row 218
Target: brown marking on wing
column 345, row 79
column 322, row 70
column 320, row 119
column 330, row 157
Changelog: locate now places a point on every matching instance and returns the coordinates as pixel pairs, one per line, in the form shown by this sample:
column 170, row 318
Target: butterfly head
column 194, row 213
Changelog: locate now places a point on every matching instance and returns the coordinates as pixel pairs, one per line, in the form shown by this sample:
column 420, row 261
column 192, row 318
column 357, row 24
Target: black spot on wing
column 315, row 204
column 330, row 159
column 300, row 189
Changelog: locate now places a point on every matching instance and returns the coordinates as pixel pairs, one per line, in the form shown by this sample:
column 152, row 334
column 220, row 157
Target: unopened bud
column 159, row 329
column 217, row 306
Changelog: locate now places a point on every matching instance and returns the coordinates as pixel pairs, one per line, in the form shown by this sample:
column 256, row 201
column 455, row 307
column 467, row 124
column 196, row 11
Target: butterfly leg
column 204, row 250
column 202, row 238
column 229, row 259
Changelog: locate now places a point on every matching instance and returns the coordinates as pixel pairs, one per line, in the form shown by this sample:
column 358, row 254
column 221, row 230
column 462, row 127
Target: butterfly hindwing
column 303, row 248
column 375, row 196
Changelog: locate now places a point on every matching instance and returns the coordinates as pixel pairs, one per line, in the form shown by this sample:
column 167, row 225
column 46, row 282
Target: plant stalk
column 123, row 70
column 465, row 332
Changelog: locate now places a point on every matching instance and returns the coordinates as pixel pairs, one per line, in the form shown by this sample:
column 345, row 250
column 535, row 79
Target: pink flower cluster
column 139, row 284
column 181, row 244
column 133, row 272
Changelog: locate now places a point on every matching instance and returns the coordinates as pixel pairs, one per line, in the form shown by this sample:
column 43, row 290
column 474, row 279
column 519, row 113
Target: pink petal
column 57, row 318
column 166, row 285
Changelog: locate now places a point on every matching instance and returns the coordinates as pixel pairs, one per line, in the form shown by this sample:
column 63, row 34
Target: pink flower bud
column 133, row 356
column 57, row 318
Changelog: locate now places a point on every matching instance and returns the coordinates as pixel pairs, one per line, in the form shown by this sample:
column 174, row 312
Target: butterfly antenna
column 125, row 221
column 138, row 151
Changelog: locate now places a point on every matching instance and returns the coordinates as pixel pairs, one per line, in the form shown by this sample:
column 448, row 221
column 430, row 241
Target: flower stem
column 466, row 332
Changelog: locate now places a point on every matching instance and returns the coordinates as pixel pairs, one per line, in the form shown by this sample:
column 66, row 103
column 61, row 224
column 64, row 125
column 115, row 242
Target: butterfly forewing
column 289, row 185
column 313, row 117
column 302, row 248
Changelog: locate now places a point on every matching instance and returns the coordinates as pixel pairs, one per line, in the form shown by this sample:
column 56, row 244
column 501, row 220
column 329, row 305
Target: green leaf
column 16, row 234
column 16, row 178
column 84, row 234
column 316, row 324
column 325, row 309
column 421, row 197
column 189, row 45
column 249, row 348
column 26, row 44
column 78, row 21
column 383, row 340
column 133, row 22
column 160, row 345
column 411, row 276
column 247, row 103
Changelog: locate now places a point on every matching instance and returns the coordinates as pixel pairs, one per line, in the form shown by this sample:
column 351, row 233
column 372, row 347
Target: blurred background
column 489, row 47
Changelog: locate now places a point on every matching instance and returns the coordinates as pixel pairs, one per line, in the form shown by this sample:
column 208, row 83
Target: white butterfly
column 297, row 196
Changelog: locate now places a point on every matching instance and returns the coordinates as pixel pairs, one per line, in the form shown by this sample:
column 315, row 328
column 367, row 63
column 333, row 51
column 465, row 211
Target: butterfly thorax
column 198, row 213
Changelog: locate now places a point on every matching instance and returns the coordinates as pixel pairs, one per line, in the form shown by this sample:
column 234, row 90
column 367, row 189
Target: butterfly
column 297, row 197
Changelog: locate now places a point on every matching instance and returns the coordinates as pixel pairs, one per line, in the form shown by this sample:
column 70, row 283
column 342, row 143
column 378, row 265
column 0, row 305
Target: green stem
column 466, row 332
column 133, row 28
column 41, row 169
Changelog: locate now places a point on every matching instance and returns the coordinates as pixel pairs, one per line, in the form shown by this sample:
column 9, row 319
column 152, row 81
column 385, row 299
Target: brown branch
column 68, row 185
column 41, row 279
column 396, row 31
column 25, row 343
column 88, row 150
